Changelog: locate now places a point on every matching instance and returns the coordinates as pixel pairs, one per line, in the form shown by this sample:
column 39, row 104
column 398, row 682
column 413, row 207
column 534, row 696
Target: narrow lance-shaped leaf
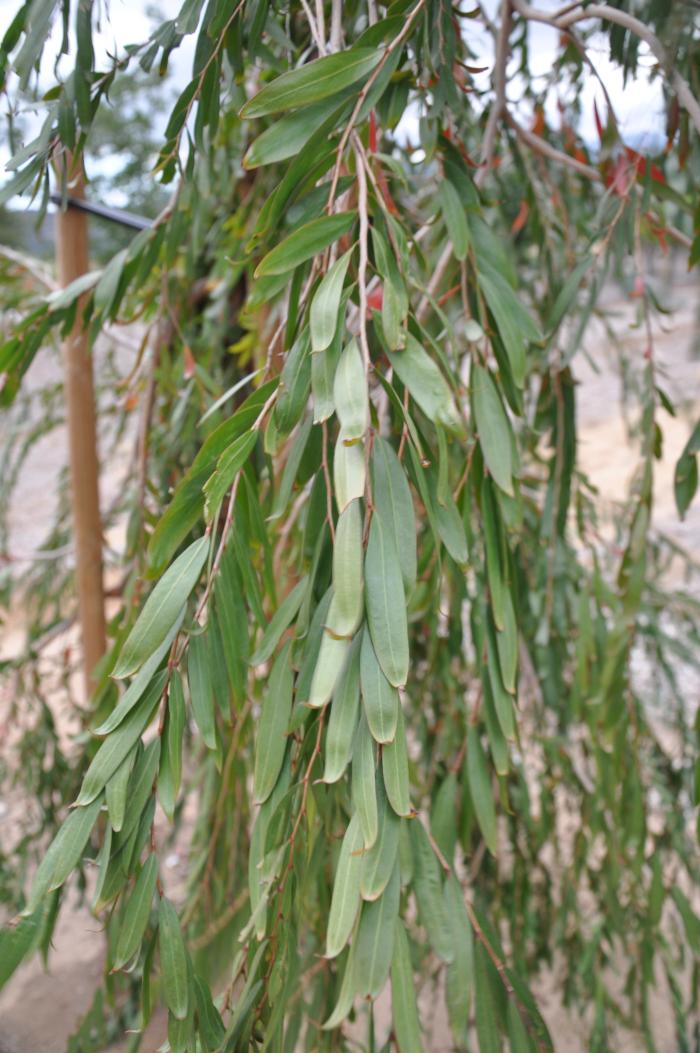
column 480, row 790
column 271, row 740
column 484, row 1003
column 459, row 980
column 286, row 137
column 116, row 790
column 120, row 742
column 201, row 687
column 348, row 587
column 429, row 893
column 342, row 723
column 364, row 783
column 455, row 218
column 137, row 913
column 386, row 603
column 380, row 698
column 426, row 385
column 375, row 938
column 304, row 243
column 349, row 472
column 350, row 394
column 395, row 769
column 312, row 82
column 323, row 316
column 493, row 427
column 141, row 681
column 280, row 620
column 345, row 900
column 394, row 506
column 16, row 941
column 378, row 862
column 64, row 853
column 162, row 608
column 403, row 995
column 330, row 661
column 346, row 995
column 173, row 960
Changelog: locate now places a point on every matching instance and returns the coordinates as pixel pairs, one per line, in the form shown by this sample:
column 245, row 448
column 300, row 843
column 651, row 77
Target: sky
column 638, row 105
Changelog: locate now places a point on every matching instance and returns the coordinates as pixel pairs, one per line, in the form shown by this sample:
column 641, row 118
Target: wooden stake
column 72, row 260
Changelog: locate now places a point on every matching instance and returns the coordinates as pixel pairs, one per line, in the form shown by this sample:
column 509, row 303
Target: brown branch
column 566, row 17
column 497, row 110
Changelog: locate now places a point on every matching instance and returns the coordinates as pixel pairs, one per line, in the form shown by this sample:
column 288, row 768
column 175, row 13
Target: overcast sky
column 638, row 105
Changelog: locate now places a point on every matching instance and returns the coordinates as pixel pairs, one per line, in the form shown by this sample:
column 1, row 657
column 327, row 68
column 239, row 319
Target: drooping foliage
column 376, row 658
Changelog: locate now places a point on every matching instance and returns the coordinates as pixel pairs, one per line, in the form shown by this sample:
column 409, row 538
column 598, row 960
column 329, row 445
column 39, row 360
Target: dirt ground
column 38, row 1009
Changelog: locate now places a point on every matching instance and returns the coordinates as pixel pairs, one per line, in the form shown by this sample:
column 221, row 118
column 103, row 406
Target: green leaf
column 171, row 758
column 375, row 938
column 304, row 243
column 312, row 82
column 394, row 506
column 323, row 367
column 403, row 996
column 162, row 609
column 345, row 710
column 443, row 819
column 345, row 899
column 349, row 472
column 229, row 464
column 137, row 913
column 116, row 792
column 211, row 1026
column 459, row 980
column 386, row 603
column 350, row 394
column 348, row 587
column 121, row 741
column 64, row 853
column 173, row 961
column 514, row 323
column 16, row 941
column 455, row 218
column 429, row 893
column 330, row 661
column 486, row 1014
column 685, row 480
column 426, row 385
column 381, row 700
column 295, row 382
column 286, row 137
column 364, row 783
column 493, row 426
column 140, row 683
column 271, row 740
column 480, row 790
column 201, row 687
column 323, row 315
column 140, row 786
column 280, row 621
column 346, row 995
column 378, row 863
column 395, row 769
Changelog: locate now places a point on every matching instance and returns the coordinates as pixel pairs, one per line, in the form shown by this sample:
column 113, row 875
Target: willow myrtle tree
column 374, row 655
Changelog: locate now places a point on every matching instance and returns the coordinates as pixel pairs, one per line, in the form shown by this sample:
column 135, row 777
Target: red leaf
column 521, row 218
column 598, row 122
column 188, row 370
column 375, row 299
column 372, row 132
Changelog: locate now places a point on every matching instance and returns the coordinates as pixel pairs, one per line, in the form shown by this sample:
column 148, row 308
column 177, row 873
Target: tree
column 370, row 629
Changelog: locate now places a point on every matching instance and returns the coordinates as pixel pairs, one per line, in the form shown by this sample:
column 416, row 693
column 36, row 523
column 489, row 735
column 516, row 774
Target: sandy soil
column 38, row 1010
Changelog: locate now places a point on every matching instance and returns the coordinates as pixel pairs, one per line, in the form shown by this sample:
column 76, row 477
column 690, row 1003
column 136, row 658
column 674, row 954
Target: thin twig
column 497, row 110
column 566, row 17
